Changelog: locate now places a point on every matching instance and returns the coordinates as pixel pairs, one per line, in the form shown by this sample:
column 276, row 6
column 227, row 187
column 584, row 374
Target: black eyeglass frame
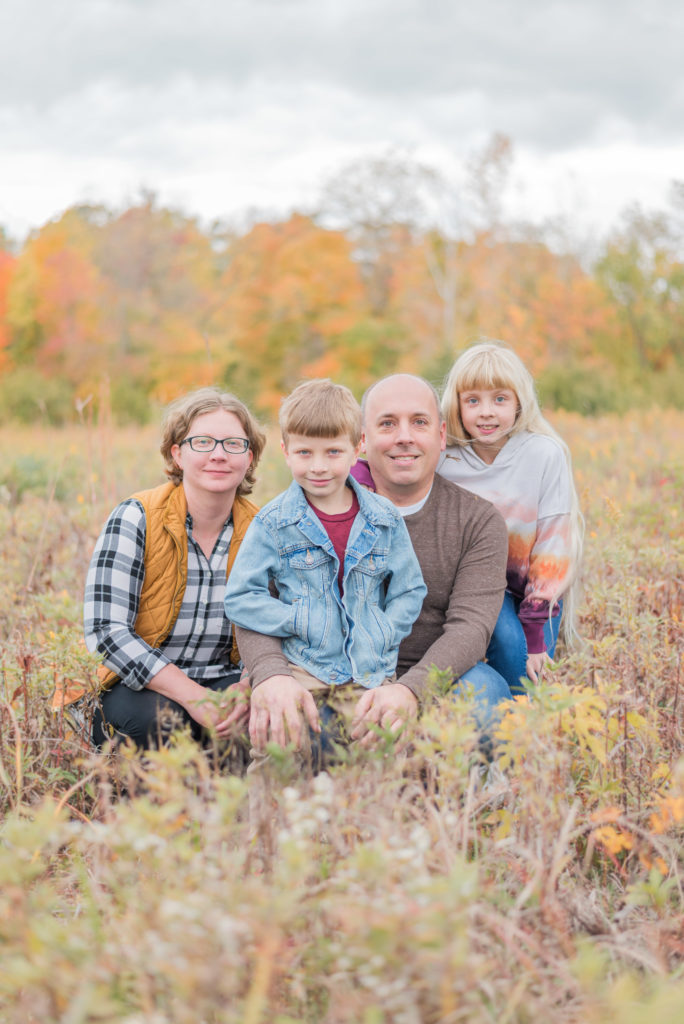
column 217, row 440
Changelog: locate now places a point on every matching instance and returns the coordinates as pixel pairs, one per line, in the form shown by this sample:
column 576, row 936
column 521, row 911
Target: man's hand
column 277, row 707
column 535, row 665
column 388, row 706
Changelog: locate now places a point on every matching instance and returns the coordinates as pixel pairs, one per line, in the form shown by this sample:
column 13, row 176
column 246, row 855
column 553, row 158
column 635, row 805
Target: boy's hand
column 277, row 707
column 388, row 706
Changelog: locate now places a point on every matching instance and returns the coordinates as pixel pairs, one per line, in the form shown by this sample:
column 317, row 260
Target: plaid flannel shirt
column 200, row 640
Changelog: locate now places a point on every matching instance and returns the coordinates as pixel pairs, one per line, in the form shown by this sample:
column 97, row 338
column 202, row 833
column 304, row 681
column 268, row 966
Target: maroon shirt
column 338, row 527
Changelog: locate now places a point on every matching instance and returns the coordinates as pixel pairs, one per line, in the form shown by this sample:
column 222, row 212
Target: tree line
column 393, row 268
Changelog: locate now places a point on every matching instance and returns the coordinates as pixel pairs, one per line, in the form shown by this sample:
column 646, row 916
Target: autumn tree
column 161, row 276
column 54, row 302
column 291, row 298
column 377, row 202
column 400, row 267
column 7, row 264
column 124, row 296
column 447, row 213
column 642, row 270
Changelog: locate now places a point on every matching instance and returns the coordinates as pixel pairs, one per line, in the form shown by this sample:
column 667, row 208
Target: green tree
column 642, row 270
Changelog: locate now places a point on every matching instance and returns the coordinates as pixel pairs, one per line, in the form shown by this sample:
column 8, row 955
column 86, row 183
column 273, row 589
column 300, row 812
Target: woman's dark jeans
column 147, row 717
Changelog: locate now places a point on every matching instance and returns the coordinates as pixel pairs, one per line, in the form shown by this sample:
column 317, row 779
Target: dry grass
column 391, row 889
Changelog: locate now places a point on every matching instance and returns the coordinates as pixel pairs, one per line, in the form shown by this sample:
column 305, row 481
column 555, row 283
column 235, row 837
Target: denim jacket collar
column 294, row 504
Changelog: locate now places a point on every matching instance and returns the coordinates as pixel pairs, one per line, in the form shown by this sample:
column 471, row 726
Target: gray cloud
column 552, row 73
column 221, row 104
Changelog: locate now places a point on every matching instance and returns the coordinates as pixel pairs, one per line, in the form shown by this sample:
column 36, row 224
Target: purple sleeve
column 362, row 474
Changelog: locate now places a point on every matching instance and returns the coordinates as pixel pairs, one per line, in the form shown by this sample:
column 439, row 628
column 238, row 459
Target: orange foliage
column 291, row 292
column 543, row 304
column 53, row 301
column 147, row 298
column 447, row 294
column 7, row 264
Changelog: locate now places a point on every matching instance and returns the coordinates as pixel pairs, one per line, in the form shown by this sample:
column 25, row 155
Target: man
column 461, row 544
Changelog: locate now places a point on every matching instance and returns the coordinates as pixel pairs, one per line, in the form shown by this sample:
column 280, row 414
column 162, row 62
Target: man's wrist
column 266, row 671
column 404, row 682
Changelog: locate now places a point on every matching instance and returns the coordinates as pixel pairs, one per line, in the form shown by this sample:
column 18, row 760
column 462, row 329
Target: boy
column 348, row 583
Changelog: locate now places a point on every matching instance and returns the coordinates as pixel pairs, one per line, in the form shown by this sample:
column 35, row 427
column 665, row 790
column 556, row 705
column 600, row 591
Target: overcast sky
column 221, row 105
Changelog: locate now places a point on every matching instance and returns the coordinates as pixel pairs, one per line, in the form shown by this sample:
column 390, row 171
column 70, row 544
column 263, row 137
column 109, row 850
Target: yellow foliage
column 660, row 773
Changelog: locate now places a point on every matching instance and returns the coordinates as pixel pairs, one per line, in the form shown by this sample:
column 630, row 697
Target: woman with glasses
column 155, row 587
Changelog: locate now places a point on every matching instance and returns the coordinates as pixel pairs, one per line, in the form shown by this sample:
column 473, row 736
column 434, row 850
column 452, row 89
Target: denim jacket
column 334, row 638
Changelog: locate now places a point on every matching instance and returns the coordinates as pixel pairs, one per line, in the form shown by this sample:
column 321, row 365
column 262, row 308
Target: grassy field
column 391, row 889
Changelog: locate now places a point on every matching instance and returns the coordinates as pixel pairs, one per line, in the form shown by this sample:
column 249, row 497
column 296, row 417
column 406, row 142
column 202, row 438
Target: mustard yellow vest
column 166, row 563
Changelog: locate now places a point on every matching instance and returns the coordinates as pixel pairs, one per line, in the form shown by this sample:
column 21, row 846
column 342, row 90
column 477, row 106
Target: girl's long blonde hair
column 490, row 365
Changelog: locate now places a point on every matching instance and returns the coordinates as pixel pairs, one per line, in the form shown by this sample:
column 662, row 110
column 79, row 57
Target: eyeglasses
column 231, row 445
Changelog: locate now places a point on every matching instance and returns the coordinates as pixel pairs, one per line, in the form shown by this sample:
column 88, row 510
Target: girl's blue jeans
column 507, row 651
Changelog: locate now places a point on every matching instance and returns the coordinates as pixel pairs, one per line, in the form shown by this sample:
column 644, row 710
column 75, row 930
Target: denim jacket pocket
column 309, row 574
column 311, row 567
column 369, row 576
column 300, row 620
column 307, row 559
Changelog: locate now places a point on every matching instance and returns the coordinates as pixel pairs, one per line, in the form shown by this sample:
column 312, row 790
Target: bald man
column 461, row 543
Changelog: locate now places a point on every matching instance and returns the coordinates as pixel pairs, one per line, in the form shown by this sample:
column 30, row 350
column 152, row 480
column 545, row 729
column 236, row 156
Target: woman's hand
column 223, row 711
column 238, row 698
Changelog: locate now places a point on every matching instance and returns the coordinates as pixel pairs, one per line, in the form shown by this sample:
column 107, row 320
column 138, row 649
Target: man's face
column 403, row 437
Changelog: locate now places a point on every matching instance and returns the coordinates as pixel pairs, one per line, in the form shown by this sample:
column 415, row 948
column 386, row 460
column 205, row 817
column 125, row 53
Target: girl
column 500, row 446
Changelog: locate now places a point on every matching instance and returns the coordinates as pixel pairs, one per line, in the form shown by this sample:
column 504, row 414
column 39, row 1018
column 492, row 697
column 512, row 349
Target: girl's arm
column 549, row 568
column 548, row 575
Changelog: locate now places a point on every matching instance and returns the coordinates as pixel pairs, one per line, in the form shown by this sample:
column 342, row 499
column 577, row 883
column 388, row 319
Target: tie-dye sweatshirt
column 529, row 484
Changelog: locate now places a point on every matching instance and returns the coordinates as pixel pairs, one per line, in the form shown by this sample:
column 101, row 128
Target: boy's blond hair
column 319, row 408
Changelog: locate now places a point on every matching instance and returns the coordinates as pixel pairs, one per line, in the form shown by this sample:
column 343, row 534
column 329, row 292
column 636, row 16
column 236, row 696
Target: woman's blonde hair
column 490, row 365
column 180, row 415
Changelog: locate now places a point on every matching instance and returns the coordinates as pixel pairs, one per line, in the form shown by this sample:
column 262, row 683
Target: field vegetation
column 392, row 889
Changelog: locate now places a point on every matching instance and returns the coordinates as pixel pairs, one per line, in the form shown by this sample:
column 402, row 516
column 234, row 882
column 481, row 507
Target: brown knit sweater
column 462, row 546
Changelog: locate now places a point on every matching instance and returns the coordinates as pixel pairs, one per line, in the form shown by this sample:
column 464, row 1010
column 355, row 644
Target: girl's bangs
column 484, row 377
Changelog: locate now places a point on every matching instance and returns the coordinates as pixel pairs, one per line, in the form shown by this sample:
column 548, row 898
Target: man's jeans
column 487, row 687
column 507, row 651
